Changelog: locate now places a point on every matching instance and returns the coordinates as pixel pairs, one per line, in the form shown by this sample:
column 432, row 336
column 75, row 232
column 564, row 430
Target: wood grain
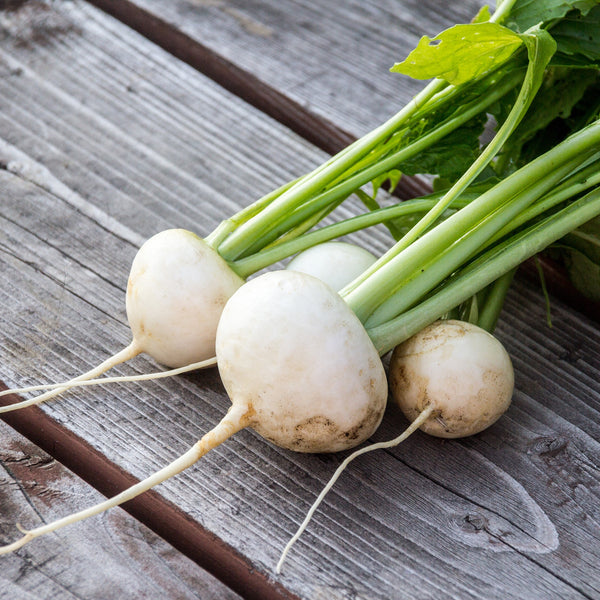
column 332, row 58
column 321, row 69
column 110, row 557
column 107, row 139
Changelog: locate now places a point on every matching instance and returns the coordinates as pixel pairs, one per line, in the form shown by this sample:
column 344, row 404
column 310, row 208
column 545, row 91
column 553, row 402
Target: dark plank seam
column 164, row 518
column 317, row 130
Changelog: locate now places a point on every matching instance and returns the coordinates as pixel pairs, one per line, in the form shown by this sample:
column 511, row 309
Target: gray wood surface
column 105, row 139
column 331, row 57
column 110, row 557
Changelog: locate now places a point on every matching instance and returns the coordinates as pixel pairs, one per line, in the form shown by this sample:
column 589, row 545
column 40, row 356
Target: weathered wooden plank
column 477, row 521
column 208, row 163
column 110, row 557
column 338, row 86
column 332, row 58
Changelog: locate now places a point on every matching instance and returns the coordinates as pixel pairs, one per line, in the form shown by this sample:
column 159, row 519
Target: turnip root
column 452, row 379
column 300, row 370
column 176, row 291
column 335, row 263
column 294, row 353
column 460, row 370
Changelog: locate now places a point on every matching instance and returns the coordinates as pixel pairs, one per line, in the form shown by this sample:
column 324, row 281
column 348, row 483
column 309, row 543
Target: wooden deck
column 121, row 118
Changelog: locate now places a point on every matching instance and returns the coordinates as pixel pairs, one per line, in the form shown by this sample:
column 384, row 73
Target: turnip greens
column 508, row 129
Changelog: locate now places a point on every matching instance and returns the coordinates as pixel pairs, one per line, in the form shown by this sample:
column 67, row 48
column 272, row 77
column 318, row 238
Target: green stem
column 251, row 264
column 237, row 242
column 490, row 266
column 447, row 257
column 577, row 183
column 225, row 228
column 488, row 315
column 540, row 173
column 503, row 9
column 232, row 223
column 332, row 197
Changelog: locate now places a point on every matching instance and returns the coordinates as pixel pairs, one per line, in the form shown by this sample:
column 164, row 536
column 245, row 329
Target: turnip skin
column 290, row 350
column 335, row 263
column 177, row 288
column 176, row 291
column 460, row 369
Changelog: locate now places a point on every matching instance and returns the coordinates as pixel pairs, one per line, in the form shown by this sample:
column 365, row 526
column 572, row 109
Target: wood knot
column 473, row 522
column 547, row 446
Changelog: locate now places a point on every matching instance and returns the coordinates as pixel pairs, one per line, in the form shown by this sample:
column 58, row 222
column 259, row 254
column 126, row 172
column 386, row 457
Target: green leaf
column 582, row 258
column 483, row 16
column 451, row 156
column 528, row 13
column 568, row 99
column 461, row 53
column 579, row 35
column 392, row 176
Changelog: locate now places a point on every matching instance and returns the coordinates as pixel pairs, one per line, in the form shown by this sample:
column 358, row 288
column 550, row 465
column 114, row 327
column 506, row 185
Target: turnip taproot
column 176, row 291
column 299, row 368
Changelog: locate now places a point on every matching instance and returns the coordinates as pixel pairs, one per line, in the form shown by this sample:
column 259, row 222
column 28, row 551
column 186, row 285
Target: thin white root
column 18, row 544
column 235, row 420
column 120, row 357
column 67, row 385
column 423, row 416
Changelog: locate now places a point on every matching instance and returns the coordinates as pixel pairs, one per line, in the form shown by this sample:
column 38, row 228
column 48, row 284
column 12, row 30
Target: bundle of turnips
column 433, row 299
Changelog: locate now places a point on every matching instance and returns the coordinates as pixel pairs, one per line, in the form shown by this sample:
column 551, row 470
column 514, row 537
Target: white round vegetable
column 300, row 369
column 459, row 370
column 335, row 263
column 177, row 288
column 292, row 352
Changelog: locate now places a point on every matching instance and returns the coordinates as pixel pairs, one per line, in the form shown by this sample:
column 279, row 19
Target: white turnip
column 300, row 369
column 335, row 263
column 460, row 370
column 176, row 291
column 293, row 351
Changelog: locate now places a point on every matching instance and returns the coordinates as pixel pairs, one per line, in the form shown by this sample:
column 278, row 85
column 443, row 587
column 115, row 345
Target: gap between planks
column 160, row 515
column 319, row 131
